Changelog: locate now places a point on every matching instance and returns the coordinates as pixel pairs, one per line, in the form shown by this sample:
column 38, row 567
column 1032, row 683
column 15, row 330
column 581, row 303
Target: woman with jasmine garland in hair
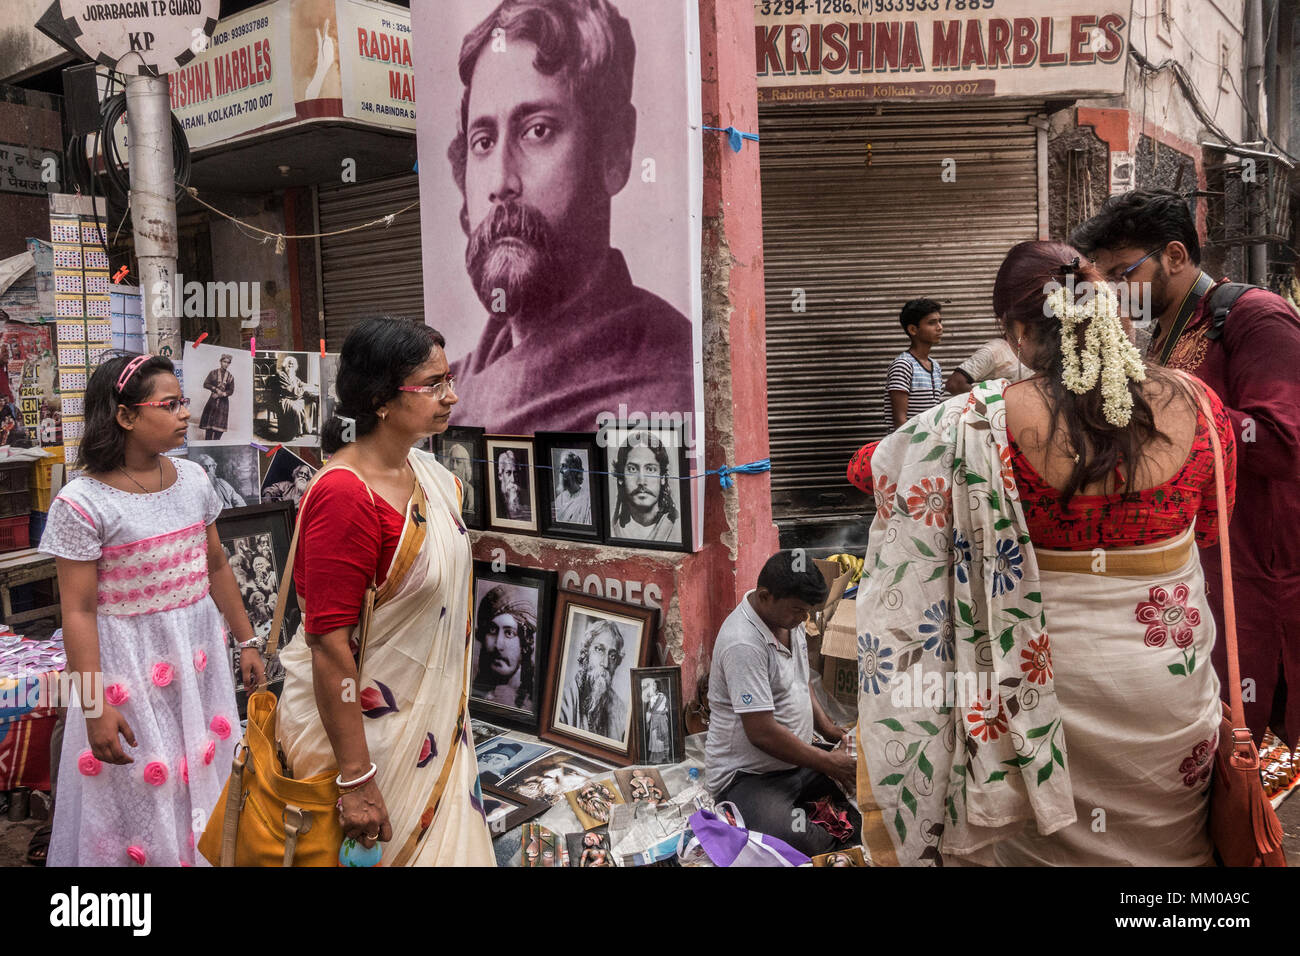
column 1033, row 634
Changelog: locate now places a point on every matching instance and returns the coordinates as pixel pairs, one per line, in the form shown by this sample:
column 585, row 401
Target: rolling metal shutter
column 860, row 241
column 375, row 271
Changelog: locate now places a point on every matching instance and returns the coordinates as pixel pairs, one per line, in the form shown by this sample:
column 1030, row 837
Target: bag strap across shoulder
column 277, row 622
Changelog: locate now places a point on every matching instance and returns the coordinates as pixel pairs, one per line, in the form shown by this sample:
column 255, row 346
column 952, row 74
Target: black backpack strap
column 1222, row 300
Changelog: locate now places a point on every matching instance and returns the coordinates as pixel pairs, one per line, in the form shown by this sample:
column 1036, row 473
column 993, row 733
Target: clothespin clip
column 322, row 348
column 252, row 346
column 259, row 446
column 202, row 336
column 272, row 451
column 120, row 274
column 734, row 136
column 279, row 245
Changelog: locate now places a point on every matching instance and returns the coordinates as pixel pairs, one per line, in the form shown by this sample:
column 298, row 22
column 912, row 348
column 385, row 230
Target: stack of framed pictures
column 629, row 488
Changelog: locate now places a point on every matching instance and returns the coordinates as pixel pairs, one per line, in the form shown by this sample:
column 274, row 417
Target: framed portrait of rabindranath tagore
column 596, row 644
column 561, row 187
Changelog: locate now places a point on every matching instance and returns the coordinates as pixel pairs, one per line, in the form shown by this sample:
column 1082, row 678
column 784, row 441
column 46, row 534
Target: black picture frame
column 675, row 488
column 472, row 473
column 272, row 521
column 521, row 809
column 486, row 579
column 523, row 451
column 550, row 468
column 669, row 681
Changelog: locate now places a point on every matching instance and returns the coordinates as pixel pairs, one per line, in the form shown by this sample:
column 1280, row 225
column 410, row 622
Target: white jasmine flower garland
column 1107, row 353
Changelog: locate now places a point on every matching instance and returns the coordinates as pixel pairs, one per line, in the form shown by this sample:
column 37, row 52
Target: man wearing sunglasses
column 1246, row 346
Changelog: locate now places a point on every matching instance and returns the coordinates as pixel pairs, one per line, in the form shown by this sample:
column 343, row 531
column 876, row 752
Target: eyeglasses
column 1120, row 277
column 172, row 405
column 440, row 391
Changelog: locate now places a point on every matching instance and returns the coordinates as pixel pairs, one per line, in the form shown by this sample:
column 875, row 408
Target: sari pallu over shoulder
column 958, row 748
column 413, row 689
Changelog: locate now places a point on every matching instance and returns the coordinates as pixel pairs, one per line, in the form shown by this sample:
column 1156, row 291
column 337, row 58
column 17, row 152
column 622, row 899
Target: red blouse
column 344, row 541
column 1121, row 520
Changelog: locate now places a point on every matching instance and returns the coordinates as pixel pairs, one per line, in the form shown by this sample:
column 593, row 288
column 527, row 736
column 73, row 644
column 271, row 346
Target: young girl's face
column 156, row 428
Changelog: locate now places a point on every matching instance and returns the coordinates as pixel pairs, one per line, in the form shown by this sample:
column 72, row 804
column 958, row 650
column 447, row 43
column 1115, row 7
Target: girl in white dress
column 144, row 584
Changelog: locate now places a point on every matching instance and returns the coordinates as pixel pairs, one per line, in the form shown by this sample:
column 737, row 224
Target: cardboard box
column 840, row 652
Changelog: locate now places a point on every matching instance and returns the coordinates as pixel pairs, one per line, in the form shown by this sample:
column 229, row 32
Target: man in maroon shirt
column 1148, row 240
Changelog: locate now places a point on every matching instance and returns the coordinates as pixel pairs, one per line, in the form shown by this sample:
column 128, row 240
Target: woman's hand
column 103, row 732
column 252, row 667
column 364, row 816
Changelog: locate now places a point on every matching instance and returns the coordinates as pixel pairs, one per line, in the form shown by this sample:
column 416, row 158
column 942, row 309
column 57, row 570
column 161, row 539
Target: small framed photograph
column 461, row 451
column 513, row 616
column 595, row 645
column 512, row 490
column 570, row 491
column 550, row 777
column 505, row 811
column 590, row 848
column 256, row 541
column 657, row 715
column 648, row 491
column 642, row 785
column 593, row 801
column 850, row 857
column 500, row 757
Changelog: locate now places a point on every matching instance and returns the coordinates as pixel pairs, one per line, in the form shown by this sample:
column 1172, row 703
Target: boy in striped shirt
column 915, row 381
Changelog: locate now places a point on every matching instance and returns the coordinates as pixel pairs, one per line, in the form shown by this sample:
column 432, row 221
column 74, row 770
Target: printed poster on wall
column 375, row 62
column 560, row 211
column 846, row 50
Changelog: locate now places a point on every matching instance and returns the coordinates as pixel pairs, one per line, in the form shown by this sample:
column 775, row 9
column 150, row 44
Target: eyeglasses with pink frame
column 440, row 391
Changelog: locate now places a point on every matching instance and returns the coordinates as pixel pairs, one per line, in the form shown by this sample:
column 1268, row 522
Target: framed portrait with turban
column 596, row 645
column 570, row 486
column 511, row 641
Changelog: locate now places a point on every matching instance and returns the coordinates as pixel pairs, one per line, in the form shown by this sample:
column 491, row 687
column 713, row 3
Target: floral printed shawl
column 961, row 742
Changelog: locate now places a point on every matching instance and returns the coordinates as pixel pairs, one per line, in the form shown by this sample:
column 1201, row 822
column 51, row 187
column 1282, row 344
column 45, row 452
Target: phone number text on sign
column 863, row 8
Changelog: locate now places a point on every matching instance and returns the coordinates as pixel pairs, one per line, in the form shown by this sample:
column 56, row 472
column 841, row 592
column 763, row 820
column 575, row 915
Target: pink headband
column 131, row 366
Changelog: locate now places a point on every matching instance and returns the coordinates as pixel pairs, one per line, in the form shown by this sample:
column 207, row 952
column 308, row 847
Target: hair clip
column 1071, row 267
column 131, row 366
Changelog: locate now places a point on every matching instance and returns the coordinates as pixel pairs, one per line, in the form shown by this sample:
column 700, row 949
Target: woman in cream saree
column 413, row 689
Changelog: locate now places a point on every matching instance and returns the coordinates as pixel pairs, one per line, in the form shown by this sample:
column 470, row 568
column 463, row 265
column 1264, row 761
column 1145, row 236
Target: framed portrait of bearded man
column 648, row 488
column 512, row 488
column 571, row 490
column 588, row 700
column 511, row 639
column 561, row 189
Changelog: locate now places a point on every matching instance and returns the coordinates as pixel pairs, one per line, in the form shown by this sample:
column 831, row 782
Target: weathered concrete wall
column 28, row 119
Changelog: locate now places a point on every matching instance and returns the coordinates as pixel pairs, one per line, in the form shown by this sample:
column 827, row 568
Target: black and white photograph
column 287, row 477
column 550, row 777
column 590, row 848
column 596, row 645
column 657, row 715
column 569, row 489
column 219, row 385
column 482, row 731
column 329, row 373
column 233, row 471
column 505, row 811
column 499, row 758
column 512, row 493
column 592, row 802
column 642, row 785
column 460, row 449
column 594, row 252
column 647, row 495
column 256, row 541
column 512, row 626
column 287, row 397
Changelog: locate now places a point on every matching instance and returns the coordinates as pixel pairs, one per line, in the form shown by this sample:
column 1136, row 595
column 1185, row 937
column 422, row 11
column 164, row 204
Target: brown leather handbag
column 1243, row 824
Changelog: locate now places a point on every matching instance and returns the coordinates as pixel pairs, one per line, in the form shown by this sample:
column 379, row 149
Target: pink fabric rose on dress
column 116, row 694
column 200, row 659
column 220, row 726
column 89, row 764
column 209, row 751
column 185, row 770
column 137, row 854
column 155, row 773
column 162, row 674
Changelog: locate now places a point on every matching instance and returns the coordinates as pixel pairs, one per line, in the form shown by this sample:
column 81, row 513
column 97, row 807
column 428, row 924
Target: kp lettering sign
column 872, row 50
column 141, row 36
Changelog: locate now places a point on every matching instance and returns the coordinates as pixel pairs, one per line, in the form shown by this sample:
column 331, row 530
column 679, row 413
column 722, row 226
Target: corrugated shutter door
column 375, row 271
column 861, row 240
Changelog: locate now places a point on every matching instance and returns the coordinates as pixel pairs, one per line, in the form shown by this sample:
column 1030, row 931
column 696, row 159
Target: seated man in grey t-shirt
column 763, row 714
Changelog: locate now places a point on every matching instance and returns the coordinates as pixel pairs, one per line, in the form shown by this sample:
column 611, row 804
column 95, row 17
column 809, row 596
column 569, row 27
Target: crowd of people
column 1040, row 543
